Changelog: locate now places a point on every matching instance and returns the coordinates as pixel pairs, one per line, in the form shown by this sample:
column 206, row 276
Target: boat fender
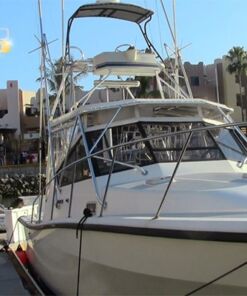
column 21, row 254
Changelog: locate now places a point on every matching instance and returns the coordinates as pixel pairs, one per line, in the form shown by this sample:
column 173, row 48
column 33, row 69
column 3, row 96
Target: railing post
column 105, row 129
column 68, row 150
column 40, row 205
column 173, row 174
column 33, row 207
column 108, row 181
column 89, row 158
column 72, row 190
column 53, row 196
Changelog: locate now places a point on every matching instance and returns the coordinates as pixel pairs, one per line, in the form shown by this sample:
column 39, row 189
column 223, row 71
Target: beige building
column 18, row 126
column 214, row 82
column 231, row 90
column 202, row 80
column 10, row 109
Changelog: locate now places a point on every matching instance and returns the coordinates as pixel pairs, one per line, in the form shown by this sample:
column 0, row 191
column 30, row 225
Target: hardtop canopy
column 122, row 11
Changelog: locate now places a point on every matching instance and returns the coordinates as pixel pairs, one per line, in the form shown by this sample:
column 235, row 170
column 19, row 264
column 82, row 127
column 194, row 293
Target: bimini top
column 122, row 11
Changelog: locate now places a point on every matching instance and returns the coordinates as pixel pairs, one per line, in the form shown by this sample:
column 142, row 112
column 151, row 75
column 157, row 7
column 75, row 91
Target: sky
column 206, row 28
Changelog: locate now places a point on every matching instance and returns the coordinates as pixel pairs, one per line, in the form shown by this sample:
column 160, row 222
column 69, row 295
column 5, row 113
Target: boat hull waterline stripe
column 238, row 237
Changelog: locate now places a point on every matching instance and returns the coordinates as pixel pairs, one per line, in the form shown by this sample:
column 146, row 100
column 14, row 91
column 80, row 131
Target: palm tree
column 54, row 74
column 145, row 82
column 146, row 88
column 237, row 58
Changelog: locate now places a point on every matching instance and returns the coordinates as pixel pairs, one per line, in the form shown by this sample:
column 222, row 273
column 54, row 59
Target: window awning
column 122, row 11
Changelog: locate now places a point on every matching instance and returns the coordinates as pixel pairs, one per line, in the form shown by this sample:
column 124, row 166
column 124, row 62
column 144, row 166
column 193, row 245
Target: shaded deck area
column 11, row 282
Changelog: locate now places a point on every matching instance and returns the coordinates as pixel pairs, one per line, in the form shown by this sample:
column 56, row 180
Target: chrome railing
column 113, row 161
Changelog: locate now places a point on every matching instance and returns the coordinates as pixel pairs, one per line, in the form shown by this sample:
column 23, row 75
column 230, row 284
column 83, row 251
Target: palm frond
column 237, row 58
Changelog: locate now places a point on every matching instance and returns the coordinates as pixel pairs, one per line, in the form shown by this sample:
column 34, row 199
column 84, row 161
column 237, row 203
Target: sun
column 5, row 46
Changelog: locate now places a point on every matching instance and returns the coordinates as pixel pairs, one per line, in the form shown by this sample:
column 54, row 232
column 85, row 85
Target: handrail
column 34, row 202
column 197, row 129
column 114, row 147
column 70, row 143
column 174, row 173
column 137, row 167
column 105, row 129
column 242, row 162
column 33, row 207
column 108, row 182
column 236, row 127
column 88, row 95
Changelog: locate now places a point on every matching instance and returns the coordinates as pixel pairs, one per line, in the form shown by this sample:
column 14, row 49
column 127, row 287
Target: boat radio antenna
column 40, row 116
column 178, row 59
column 176, row 49
column 44, row 88
column 63, row 53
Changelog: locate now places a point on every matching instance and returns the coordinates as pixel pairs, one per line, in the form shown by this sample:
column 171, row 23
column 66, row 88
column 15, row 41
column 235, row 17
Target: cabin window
column 202, row 145
column 102, row 162
column 77, row 172
column 57, row 148
column 230, row 144
column 217, row 144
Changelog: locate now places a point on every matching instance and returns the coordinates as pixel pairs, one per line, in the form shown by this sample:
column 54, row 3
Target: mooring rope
column 216, row 279
column 87, row 213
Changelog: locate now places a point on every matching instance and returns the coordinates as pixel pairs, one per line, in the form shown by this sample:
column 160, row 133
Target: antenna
column 63, row 53
column 44, row 88
column 176, row 78
column 40, row 114
column 178, row 60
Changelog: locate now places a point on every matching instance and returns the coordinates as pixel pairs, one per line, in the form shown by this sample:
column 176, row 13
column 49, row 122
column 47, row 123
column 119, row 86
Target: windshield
column 202, row 146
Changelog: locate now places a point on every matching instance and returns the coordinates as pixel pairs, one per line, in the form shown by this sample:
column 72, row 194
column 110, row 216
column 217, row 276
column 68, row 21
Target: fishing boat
column 144, row 196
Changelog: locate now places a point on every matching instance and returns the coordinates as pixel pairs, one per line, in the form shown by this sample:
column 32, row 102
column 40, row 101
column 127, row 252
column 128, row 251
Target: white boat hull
column 127, row 264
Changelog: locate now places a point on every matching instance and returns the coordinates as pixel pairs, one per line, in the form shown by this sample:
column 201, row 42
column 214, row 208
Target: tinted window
column 79, row 171
column 202, row 145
